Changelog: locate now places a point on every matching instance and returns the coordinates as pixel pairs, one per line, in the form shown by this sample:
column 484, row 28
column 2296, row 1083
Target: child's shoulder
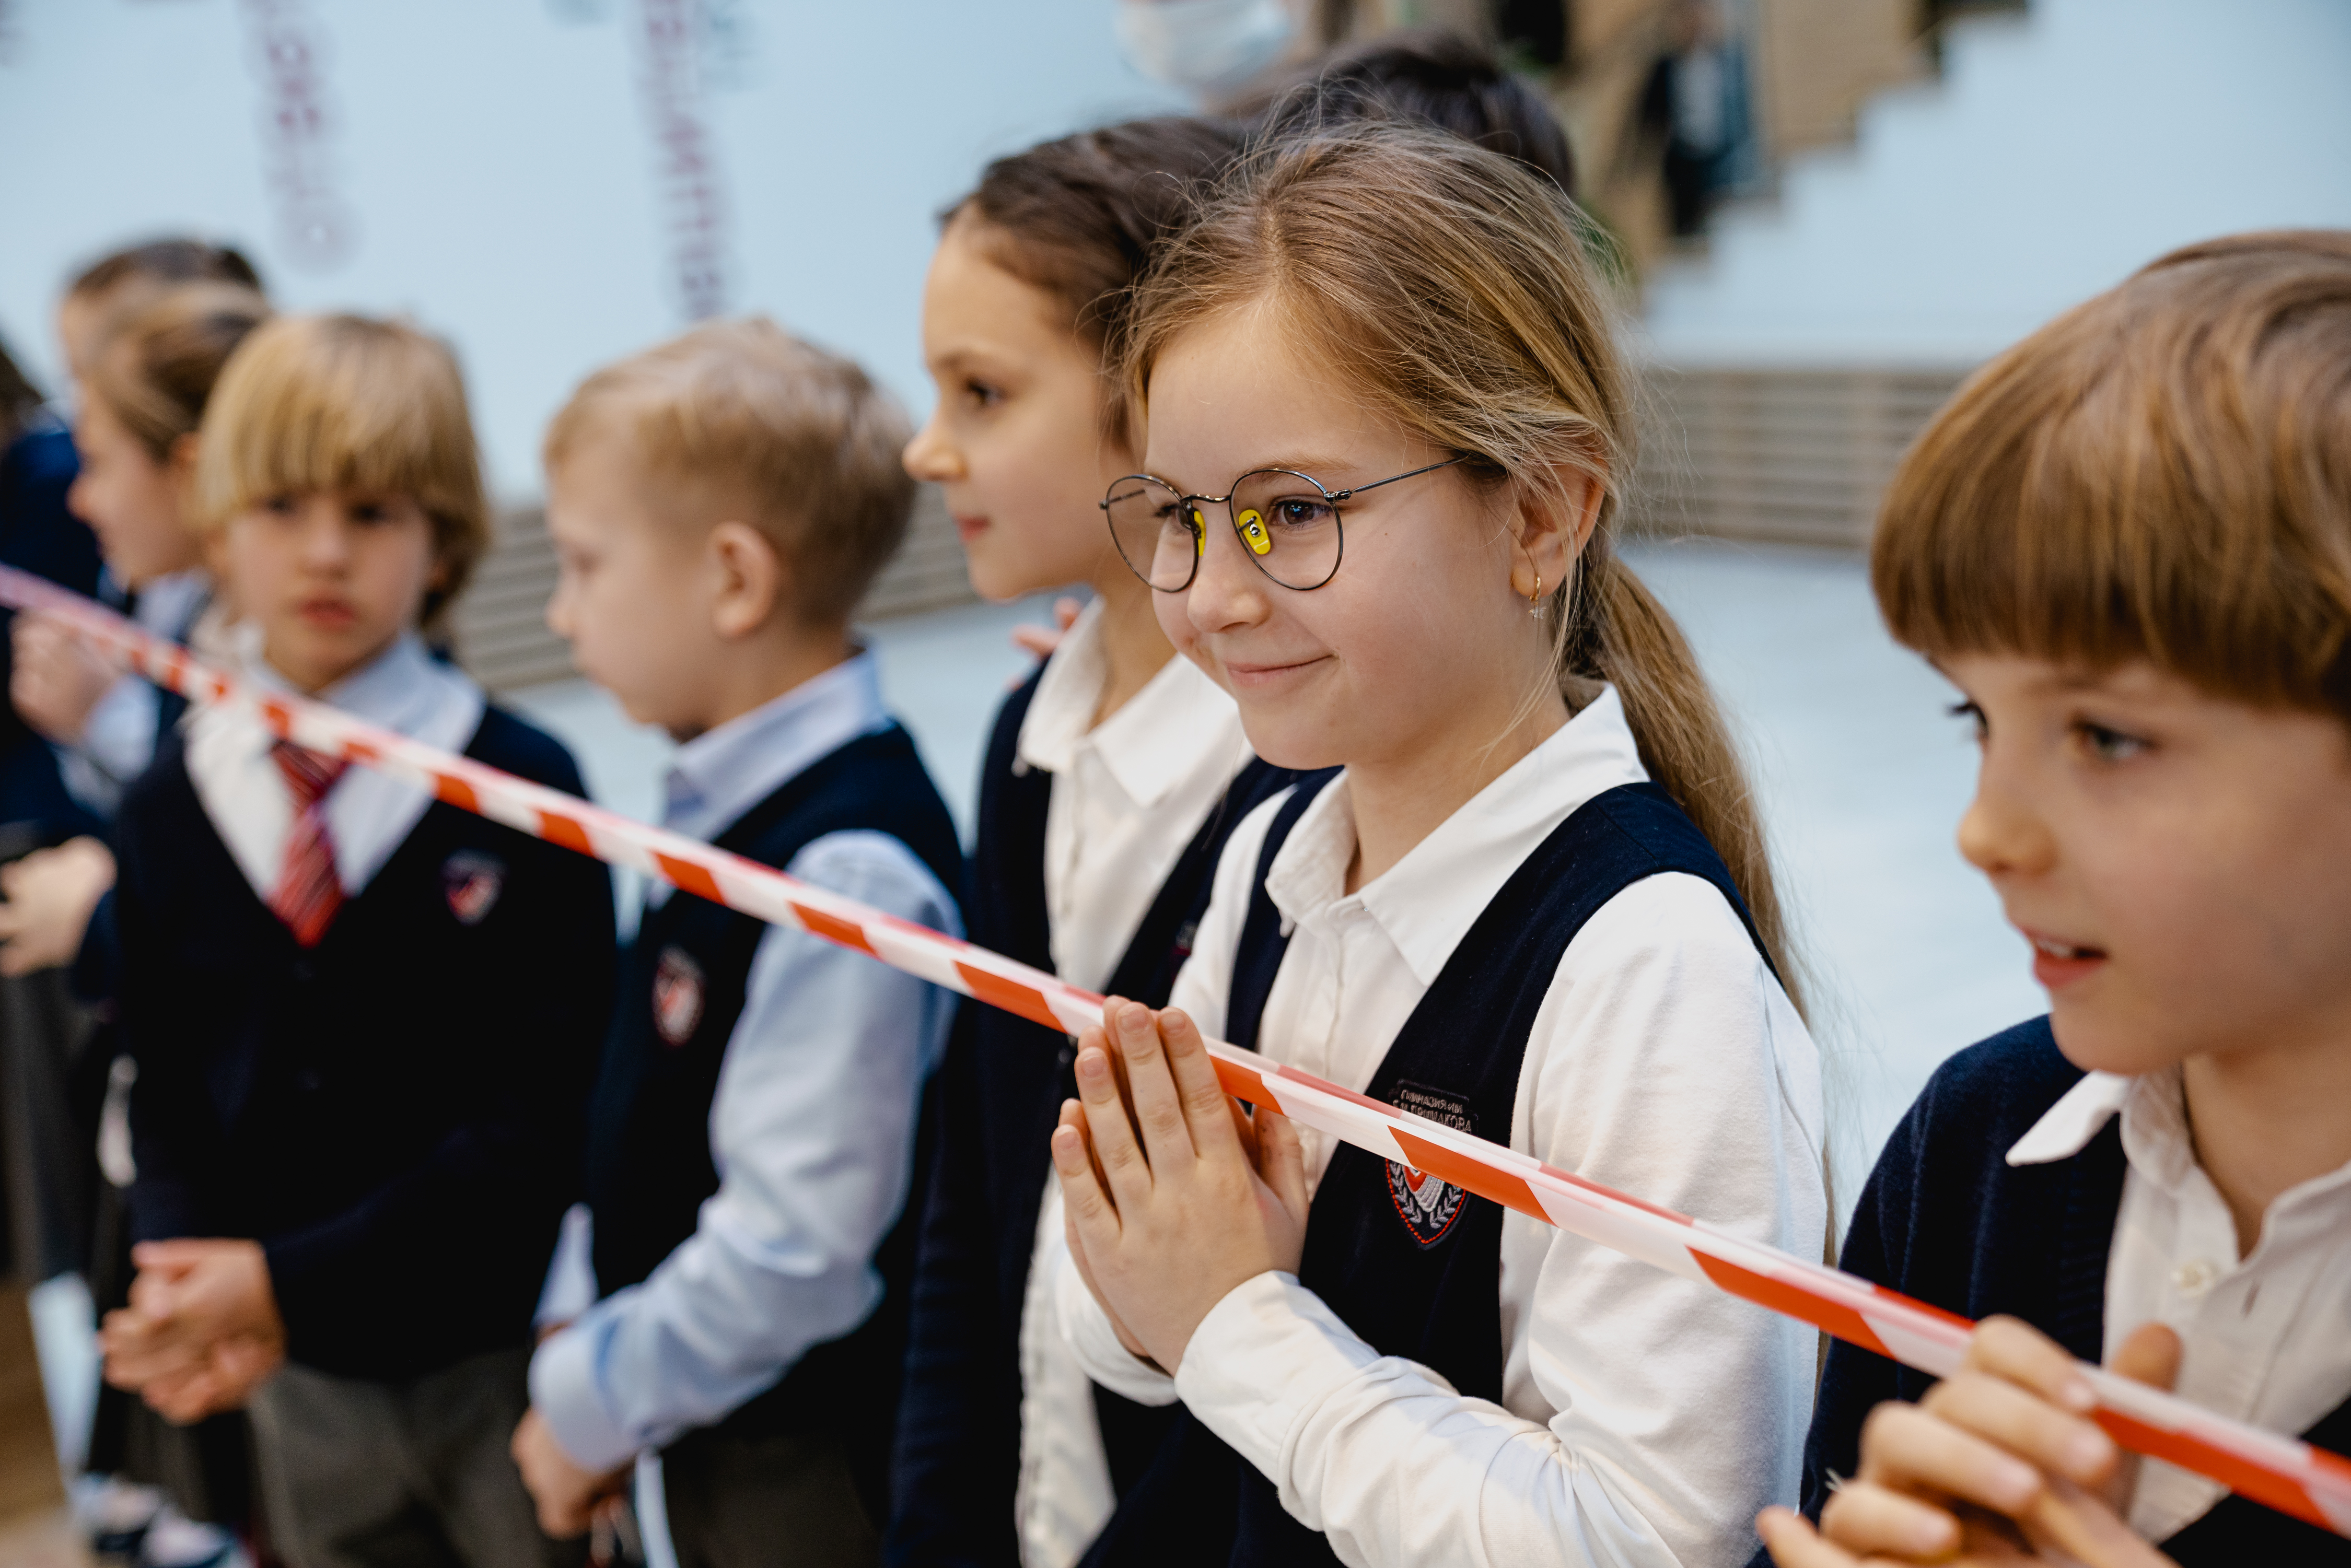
column 514, row 744
column 1948, row 1157
column 2000, row 1085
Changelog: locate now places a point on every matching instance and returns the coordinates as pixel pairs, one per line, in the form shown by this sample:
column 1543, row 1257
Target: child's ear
column 1554, row 527
column 179, row 463
column 752, row 580
column 212, row 545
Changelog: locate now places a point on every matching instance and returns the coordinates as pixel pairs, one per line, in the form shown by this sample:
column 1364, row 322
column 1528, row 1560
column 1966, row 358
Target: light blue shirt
column 117, row 739
column 812, row 1127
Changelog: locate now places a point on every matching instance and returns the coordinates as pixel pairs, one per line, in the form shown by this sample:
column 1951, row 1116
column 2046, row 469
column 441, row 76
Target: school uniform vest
column 1002, row 1092
column 1410, row 1263
column 418, row 1077
column 1946, row 1218
column 681, row 991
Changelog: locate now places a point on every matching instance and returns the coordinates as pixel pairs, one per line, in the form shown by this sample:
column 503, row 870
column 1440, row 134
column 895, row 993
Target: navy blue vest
column 1410, row 1263
column 395, row 1112
column 1002, row 1091
column 681, row 991
column 1946, row 1218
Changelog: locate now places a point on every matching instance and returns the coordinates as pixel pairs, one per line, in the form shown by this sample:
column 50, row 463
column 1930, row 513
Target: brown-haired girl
column 143, row 392
column 1112, row 777
column 1385, row 425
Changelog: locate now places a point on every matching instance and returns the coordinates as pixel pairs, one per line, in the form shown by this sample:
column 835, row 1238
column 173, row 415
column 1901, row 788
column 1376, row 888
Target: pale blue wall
column 500, row 164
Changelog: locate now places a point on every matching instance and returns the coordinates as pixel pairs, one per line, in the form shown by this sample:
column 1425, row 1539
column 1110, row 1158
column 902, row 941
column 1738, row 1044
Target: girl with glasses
column 1385, row 425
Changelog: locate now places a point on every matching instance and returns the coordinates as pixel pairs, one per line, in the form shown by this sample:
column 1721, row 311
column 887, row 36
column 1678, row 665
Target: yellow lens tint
column 1253, row 529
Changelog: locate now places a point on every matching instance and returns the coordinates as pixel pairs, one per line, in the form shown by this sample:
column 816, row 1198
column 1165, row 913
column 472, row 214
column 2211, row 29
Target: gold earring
column 1534, row 599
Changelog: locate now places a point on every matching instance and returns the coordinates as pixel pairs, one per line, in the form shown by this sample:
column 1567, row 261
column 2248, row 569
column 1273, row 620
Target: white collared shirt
column 1128, row 795
column 368, row 813
column 811, row 1129
column 2265, row 1335
column 1645, row 1419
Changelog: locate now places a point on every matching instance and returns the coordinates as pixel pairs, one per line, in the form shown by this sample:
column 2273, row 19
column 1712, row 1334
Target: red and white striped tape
column 2287, row 1475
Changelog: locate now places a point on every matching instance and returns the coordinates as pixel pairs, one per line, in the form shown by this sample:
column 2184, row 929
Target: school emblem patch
column 472, row 882
column 1427, row 1206
column 678, row 997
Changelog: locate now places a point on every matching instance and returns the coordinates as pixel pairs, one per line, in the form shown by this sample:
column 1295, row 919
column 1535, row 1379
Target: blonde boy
column 719, row 505
column 2127, row 542
column 364, row 1021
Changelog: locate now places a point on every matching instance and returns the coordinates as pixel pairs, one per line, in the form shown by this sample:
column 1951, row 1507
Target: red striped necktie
column 309, row 891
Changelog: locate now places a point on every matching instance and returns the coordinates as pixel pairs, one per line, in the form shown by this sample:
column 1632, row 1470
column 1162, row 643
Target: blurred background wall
column 1904, row 186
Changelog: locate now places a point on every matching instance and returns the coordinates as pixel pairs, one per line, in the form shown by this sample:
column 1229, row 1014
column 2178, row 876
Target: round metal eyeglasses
column 1287, row 521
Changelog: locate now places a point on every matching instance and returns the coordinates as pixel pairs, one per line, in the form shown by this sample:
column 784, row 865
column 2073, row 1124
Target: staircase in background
column 1789, row 457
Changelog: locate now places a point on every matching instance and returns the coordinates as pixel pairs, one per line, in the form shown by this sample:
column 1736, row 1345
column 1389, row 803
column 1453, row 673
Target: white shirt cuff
column 1267, row 1354
column 563, row 1392
column 1086, row 1330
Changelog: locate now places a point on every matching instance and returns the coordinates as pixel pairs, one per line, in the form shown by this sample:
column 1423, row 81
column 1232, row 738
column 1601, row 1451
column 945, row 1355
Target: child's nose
column 326, row 542
column 1228, row 589
column 2000, row 832
column 930, row 457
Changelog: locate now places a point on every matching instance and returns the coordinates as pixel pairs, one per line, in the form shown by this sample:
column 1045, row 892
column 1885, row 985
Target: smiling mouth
column 1252, row 674
column 2065, row 950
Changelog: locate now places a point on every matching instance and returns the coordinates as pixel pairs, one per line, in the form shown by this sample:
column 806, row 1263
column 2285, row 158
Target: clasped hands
column 202, row 1330
column 1171, row 1194
column 1999, row 1466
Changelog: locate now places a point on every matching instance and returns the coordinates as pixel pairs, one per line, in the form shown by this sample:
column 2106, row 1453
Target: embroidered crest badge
column 1427, row 1206
column 472, row 882
column 678, row 997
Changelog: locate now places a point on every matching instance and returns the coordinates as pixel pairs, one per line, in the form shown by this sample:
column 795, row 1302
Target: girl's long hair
column 1450, row 286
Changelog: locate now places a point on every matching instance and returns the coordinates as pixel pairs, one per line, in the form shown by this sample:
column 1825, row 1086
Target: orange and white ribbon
column 2287, row 1475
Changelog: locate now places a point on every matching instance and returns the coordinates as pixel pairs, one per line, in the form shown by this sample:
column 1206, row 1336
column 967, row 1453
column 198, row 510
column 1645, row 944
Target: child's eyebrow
column 1315, row 468
column 966, row 356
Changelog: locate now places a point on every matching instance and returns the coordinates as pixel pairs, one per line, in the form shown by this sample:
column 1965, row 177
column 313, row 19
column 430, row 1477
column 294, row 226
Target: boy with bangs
column 2127, row 542
column 364, row 1021
column 719, row 506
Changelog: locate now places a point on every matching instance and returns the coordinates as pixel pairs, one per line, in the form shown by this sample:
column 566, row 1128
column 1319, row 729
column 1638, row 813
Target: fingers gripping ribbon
column 2285, row 1474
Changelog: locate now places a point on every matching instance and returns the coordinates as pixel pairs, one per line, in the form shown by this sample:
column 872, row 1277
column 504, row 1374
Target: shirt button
column 2195, row 1277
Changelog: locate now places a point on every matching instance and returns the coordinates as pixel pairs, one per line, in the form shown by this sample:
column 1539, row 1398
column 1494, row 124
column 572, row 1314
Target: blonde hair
column 155, row 368
column 740, row 419
column 1449, row 284
column 347, row 402
column 2163, row 474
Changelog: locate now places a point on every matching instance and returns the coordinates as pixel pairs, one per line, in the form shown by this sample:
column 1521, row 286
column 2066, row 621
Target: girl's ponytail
column 1450, row 286
column 1685, row 744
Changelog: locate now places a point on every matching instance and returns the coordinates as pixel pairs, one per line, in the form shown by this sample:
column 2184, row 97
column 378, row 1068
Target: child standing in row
column 1103, row 805
column 2127, row 542
column 364, row 1021
column 38, row 468
column 1113, row 778
column 143, row 392
column 1385, row 426
column 719, row 505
